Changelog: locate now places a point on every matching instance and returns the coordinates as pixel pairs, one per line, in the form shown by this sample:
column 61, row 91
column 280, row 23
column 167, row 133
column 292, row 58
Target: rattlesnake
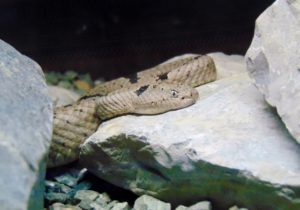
column 165, row 87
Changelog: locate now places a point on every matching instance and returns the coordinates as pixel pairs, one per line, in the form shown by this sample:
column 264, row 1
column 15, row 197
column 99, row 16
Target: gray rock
column 60, row 206
column 67, row 179
column 146, row 202
column 71, row 177
column 84, row 185
column 203, row 205
column 103, row 199
column 273, row 60
column 86, row 194
column 25, row 131
column 56, row 197
column 121, row 206
column 181, row 207
column 110, row 205
column 96, row 206
column 56, row 187
column 62, row 96
column 229, row 141
column 228, row 66
column 85, row 204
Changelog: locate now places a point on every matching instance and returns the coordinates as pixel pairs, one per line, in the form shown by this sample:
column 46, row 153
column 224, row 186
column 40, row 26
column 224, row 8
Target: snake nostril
column 182, row 97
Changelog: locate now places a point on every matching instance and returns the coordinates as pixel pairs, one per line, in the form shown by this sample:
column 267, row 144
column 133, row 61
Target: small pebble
column 97, row 206
column 86, row 194
column 121, row 206
column 66, row 179
column 85, row 204
column 60, row 206
column 103, row 199
column 56, row 197
column 111, row 204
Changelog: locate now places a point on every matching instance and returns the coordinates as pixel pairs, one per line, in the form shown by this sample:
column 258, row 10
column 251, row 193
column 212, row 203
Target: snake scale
column 165, row 87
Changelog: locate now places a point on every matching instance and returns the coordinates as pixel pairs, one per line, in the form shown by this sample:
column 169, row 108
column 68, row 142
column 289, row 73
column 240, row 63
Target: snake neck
column 113, row 105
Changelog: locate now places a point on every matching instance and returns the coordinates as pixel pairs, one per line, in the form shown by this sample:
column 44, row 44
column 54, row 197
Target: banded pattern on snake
column 156, row 90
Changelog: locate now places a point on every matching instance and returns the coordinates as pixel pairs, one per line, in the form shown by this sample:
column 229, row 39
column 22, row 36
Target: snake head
column 159, row 98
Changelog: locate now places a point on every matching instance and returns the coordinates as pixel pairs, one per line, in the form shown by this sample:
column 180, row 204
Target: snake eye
column 174, row 93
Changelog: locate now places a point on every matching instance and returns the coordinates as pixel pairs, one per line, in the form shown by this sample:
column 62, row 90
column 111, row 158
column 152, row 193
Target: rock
column 203, row 205
column 111, row 204
column 62, row 96
column 60, row 206
column 181, row 207
column 86, row 194
column 228, row 66
column 147, row 202
column 71, row 177
column 56, row 187
column 121, row 206
column 96, row 206
column 230, row 147
column 273, row 60
column 85, row 204
column 86, row 197
column 103, row 199
column 25, row 131
column 236, row 208
column 84, row 185
column 56, row 197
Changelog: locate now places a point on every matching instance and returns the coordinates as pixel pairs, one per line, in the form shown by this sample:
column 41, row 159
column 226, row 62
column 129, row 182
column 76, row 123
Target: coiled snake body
column 162, row 88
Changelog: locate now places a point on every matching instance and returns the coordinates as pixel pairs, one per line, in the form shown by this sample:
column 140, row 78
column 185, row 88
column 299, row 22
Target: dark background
column 115, row 37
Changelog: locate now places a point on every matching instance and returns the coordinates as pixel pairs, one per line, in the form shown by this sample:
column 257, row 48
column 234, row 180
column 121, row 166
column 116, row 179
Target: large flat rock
column 273, row 60
column 25, row 131
column 230, row 148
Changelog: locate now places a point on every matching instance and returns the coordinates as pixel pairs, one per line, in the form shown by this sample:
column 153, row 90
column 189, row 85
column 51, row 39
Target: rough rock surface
column 229, row 147
column 203, row 205
column 147, row 202
column 273, row 60
column 62, row 96
column 25, row 131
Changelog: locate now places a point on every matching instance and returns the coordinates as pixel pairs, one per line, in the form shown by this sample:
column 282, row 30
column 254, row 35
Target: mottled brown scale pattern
column 72, row 125
column 193, row 71
column 163, row 88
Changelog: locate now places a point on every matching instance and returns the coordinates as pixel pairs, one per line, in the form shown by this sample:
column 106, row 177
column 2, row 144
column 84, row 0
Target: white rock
column 147, row 202
column 25, row 130
column 228, row 66
column 203, row 205
column 273, row 60
column 61, row 96
column 225, row 147
column 86, row 194
column 121, row 206
column 60, row 206
column 181, row 207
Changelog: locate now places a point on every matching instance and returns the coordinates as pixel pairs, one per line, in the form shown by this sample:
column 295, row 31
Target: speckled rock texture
column 273, row 60
column 25, row 131
column 230, row 147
